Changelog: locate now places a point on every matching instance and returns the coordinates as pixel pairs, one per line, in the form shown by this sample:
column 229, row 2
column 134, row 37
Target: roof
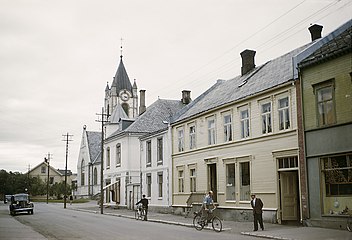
column 271, row 74
column 117, row 114
column 121, row 79
column 94, row 145
column 156, row 117
column 339, row 44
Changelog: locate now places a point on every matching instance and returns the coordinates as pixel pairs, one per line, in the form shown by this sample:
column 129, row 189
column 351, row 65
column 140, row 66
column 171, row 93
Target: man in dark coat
column 144, row 201
column 257, row 206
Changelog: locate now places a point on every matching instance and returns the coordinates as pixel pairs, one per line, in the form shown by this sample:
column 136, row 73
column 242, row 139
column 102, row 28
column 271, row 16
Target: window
column 288, row 162
column 192, row 137
column 180, row 181
column 227, row 128
column 160, row 151
column 118, row 155
column 337, row 172
column 160, row 184
column 192, row 178
column 149, row 154
column 266, row 118
column 284, row 114
column 43, row 169
column 211, row 131
column 149, row 184
column 180, row 140
column 230, row 182
column 325, row 104
column 95, row 176
column 244, row 116
column 51, row 180
column 245, row 181
column 108, row 158
column 82, row 172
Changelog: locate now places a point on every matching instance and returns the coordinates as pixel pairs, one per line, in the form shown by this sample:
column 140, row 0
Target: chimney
column 186, row 97
column 315, row 31
column 247, row 61
column 142, row 107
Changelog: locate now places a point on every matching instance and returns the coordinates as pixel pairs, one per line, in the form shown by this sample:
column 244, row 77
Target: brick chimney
column 142, row 106
column 247, row 61
column 315, row 31
column 186, row 97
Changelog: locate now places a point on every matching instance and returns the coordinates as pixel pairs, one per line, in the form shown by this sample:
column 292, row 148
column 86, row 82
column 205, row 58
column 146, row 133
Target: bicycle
column 199, row 221
column 349, row 223
column 139, row 213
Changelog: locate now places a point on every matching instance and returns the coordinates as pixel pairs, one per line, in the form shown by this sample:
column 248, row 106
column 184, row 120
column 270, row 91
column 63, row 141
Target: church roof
column 117, row 114
column 94, row 146
column 121, row 79
column 271, row 74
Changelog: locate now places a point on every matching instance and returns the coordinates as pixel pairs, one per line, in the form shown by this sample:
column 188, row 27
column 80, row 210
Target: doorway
column 212, row 180
column 289, row 199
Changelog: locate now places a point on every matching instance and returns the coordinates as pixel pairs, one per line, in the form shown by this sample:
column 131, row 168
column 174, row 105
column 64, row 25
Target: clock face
column 124, row 96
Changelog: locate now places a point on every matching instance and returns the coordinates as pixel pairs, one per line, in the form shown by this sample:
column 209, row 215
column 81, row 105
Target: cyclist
column 208, row 205
column 144, row 203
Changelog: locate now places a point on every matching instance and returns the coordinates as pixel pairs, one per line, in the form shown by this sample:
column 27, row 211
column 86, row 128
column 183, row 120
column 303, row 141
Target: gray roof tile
column 273, row 73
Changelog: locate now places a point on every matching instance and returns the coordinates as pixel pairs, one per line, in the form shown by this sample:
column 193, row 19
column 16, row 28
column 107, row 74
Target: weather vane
column 121, row 46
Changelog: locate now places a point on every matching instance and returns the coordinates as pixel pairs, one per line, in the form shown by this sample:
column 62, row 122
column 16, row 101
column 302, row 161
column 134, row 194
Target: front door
column 212, row 180
column 289, row 195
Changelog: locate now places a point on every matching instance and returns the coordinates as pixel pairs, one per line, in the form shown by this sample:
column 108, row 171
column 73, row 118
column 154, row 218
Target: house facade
column 88, row 165
column 156, row 149
column 241, row 137
column 326, row 82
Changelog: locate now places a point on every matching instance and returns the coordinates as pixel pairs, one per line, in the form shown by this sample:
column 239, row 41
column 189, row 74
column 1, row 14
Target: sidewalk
column 272, row 231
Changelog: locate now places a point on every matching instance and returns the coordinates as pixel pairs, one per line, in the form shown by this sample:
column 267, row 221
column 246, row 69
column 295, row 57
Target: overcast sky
column 56, row 58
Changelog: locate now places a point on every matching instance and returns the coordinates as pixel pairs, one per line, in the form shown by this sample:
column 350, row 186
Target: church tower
column 121, row 99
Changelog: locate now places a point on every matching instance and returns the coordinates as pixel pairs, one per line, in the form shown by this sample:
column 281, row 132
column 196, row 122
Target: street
column 54, row 222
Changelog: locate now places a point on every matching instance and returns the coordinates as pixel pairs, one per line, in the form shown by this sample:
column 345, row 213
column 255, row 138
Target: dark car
column 21, row 203
column 7, row 198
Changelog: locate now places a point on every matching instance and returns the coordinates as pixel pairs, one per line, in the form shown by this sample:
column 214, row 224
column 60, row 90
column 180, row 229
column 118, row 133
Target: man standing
column 257, row 206
column 145, row 203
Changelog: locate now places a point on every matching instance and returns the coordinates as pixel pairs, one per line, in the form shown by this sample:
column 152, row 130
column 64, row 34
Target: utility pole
column 65, row 191
column 47, row 160
column 104, row 119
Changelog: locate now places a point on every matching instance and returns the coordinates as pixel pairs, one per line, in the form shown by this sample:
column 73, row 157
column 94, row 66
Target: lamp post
column 47, row 161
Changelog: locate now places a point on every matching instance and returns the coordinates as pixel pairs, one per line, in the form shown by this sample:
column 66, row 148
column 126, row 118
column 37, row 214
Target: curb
column 149, row 220
column 265, row 236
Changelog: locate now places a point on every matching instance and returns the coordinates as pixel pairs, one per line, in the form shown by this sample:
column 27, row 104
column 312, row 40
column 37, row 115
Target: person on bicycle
column 144, row 201
column 208, row 205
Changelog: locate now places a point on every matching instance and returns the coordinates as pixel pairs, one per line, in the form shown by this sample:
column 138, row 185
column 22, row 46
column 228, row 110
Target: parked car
column 7, row 198
column 21, row 203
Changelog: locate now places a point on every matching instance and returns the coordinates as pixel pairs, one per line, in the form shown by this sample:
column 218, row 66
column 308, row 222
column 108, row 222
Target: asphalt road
column 54, row 222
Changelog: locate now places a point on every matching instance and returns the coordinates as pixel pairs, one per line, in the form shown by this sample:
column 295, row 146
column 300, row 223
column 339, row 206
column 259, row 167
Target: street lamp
column 47, row 182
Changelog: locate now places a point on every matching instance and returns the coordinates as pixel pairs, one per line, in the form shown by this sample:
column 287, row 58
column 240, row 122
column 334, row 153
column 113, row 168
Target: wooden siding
column 339, row 70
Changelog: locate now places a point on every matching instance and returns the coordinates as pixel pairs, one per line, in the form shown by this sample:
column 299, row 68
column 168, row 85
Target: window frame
column 180, row 139
column 118, row 155
column 245, row 123
column 317, row 88
column 160, row 150
column 160, row 176
column 148, row 156
column 228, row 133
column 211, row 130
column 284, row 124
column 266, row 117
column 192, row 136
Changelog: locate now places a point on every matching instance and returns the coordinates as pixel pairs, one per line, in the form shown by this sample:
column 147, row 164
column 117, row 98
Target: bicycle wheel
column 349, row 224
column 198, row 223
column 216, row 224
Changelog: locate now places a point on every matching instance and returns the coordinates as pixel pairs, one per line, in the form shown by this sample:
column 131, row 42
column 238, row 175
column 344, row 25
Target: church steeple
column 121, row 79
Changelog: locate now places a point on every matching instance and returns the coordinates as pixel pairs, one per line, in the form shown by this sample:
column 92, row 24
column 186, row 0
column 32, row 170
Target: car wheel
column 32, row 211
